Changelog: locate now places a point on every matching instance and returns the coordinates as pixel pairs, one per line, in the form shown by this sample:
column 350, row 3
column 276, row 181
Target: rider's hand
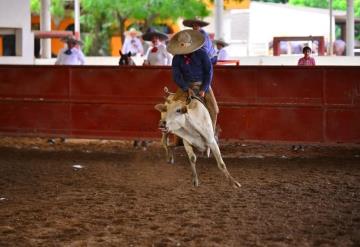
column 202, row 93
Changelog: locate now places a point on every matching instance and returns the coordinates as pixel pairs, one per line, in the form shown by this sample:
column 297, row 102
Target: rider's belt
column 196, row 84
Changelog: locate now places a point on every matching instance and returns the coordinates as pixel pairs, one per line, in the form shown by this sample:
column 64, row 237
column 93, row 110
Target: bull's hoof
column 236, row 184
column 195, row 182
column 171, row 160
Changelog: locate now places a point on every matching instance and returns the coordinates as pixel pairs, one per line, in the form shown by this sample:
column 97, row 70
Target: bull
column 191, row 121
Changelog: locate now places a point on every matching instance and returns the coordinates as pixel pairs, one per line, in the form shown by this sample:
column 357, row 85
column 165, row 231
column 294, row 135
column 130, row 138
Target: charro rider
column 192, row 69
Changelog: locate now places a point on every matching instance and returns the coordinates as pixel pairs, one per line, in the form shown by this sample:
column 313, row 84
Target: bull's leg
column 168, row 149
column 192, row 159
column 221, row 164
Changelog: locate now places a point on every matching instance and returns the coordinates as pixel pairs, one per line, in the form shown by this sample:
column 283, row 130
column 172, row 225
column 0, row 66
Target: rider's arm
column 177, row 74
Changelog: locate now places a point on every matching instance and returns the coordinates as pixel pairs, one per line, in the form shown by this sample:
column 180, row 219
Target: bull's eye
column 178, row 110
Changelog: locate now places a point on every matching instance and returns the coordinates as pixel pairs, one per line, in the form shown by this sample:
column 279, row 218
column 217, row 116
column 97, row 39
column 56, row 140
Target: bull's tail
column 208, row 152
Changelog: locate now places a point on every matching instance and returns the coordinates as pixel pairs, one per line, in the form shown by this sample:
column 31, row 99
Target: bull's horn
column 166, row 90
column 161, row 107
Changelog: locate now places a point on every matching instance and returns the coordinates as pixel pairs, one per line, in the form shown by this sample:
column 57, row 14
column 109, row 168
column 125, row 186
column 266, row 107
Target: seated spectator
column 222, row 53
column 157, row 53
column 307, row 60
column 71, row 54
column 132, row 43
column 339, row 47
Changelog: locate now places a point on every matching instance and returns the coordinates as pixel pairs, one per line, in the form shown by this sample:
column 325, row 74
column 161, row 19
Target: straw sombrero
column 72, row 39
column 151, row 32
column 221, row 42
column 185, row 42
column 191, row 22
column 133, row 31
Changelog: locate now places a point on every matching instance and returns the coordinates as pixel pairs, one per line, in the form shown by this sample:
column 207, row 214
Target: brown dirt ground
column 130, row 197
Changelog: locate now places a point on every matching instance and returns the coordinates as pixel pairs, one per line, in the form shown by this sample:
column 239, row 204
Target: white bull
column 193, row 124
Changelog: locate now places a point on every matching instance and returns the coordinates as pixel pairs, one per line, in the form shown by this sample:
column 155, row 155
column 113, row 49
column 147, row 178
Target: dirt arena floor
column 106, row 193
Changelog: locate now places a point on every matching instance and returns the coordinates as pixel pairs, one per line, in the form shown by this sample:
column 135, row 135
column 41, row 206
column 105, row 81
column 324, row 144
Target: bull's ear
column 184, row 109
column 161, row 107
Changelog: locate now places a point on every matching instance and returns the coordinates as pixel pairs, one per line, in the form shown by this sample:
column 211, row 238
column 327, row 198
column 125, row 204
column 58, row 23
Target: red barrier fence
column 257, row 103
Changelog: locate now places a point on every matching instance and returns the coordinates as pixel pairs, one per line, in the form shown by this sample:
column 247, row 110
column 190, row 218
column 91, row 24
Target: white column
column 350, row 28
column 45, row 25
column 77, row 17
column 219, row 7
column 330, row 50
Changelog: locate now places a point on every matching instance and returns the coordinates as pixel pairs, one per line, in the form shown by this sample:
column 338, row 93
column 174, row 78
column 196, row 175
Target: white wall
column 15, row 14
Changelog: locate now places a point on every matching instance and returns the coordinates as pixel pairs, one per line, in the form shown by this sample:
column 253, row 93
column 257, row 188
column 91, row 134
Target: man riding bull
column 192, row 69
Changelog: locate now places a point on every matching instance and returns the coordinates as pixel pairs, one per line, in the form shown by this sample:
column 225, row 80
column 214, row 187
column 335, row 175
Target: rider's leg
column 212, row 106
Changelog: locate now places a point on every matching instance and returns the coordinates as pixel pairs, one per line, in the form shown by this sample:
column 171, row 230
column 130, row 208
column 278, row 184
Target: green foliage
column 35, row 6
column 57, row 8
column 272, row 1
column 337, row 4
column 101, row 18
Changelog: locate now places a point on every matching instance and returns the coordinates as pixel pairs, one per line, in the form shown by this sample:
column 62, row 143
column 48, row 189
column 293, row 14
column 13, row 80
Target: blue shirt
column 208, row 45
column 193, row 67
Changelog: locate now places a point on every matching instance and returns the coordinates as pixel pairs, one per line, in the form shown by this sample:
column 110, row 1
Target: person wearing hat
column 222, row 53
column 132, row 43
column 157, row 53
column 197, row 25
column 192, row 69
column 71, row 54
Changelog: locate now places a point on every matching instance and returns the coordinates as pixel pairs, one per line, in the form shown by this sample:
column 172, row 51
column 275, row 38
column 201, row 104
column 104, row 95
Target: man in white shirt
column 157, row 53
column 222, row 52
column 132, row 43
column 71, row 55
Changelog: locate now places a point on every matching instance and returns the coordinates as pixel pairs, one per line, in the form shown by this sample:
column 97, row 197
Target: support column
column 219, row 8
column 77, row 18
column 330, row 50
column 45, row 25
column 350, row 29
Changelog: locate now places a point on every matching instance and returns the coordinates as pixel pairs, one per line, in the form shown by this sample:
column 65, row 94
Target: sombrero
column 151, row 32
column 221, row 42
column 191, row 22
column 72, row 39
column 185, row 42
column 133, row 31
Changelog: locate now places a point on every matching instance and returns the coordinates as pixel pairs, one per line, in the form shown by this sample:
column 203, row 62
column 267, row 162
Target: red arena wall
column 257, row 103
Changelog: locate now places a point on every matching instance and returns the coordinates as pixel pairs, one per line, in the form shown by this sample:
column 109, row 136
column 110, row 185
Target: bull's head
column 172, row 115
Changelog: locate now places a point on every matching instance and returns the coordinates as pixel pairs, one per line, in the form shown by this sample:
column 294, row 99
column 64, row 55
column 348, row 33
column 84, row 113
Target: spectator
column 208, row 47
column 157, row 53
column 222, row 53
column 71, row 54
column 132, row 43
column 307, row 60
column 339, row 47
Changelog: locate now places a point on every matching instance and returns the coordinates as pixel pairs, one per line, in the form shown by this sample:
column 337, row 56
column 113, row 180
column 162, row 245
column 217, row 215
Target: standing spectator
column 157, row 53
column 307, row 60
column 208, row 47
column 71, row 55
column 132, row 43
column 222, row 53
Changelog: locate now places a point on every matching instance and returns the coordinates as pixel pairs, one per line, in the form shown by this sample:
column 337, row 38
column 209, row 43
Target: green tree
column 337, row 4
column 108, row 16
column 57, row 8
column 100, row 19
